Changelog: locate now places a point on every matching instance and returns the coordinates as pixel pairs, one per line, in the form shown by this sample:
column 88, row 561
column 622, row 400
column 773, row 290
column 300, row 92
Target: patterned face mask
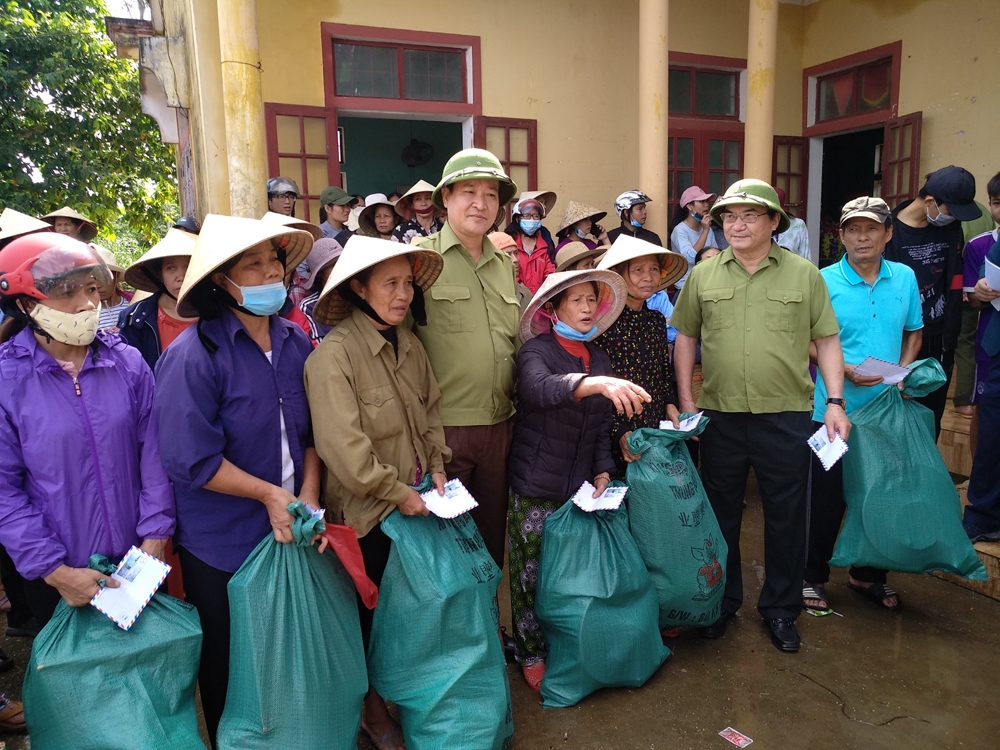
column 74, row 329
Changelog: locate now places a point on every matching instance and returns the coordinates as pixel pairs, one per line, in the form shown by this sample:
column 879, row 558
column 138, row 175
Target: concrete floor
column 926, row 677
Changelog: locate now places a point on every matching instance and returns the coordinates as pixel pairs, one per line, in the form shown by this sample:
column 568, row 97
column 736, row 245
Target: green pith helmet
column 474, row 164
column 751, row 192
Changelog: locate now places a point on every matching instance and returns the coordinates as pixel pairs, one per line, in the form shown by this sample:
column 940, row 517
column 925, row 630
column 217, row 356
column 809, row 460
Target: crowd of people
column 181, row 404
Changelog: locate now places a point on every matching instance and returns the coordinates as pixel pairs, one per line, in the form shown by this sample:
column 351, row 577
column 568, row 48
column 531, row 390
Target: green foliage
column 71, row 109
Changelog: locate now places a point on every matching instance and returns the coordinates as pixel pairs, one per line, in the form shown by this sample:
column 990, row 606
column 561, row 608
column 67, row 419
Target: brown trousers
column 479, row 460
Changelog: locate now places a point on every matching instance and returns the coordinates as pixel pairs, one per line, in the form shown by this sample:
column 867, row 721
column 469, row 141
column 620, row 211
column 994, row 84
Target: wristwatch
column 842, row 403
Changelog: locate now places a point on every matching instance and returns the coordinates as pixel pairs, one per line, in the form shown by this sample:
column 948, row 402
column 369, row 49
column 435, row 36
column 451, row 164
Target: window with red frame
column 713, row 161
column 854, row 91
column 703, row 93
column 399, row 71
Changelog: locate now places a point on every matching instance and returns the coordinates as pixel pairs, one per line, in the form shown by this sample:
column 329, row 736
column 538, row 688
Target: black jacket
column 513, row 230
column 640, row 233
column 558, row 441
column 137, row 325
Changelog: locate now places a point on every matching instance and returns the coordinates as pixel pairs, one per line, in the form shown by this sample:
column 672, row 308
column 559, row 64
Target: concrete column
column 653, row 70
column 762, row 51
column 243, row 107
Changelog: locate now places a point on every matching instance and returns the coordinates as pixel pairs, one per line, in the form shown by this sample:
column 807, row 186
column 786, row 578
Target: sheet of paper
column 993, row 281
column 139, row 575
column 610, row 499
column 827, row 452
column 455, row 501
column 891, row 373
column 737, row 738
column 686, row 425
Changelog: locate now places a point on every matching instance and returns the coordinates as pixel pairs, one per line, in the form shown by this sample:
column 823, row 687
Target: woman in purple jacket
column 566, row 398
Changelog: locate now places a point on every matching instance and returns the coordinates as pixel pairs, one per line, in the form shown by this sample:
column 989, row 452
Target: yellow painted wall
column 950, row 59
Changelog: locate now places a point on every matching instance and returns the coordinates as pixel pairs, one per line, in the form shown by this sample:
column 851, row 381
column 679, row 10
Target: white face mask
column 74, row 329
column 941, row 220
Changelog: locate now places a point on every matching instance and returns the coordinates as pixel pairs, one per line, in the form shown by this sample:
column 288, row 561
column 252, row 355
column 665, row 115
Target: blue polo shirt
column 872, row 319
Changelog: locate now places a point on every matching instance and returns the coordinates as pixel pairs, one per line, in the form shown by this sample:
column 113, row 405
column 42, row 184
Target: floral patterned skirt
column 525, row 525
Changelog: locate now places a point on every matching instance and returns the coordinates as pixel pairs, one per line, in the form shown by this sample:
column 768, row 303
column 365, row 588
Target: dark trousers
column 479, row 460
column 984, row 483
column 13, row 584
column 824, row 516
column 937, row 400
column 42, row 599
column 375, row 546
column 205, row 588
column 965, row 356
column 774, row 445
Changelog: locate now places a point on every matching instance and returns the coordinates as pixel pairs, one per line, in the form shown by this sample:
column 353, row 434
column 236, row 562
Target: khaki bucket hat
column 174, row 242
column 755, row 193
column 610, row 300
column 366, row 219
column 362, row 252
column 223, row 238
column 290, row 221
column 405, row 203
column 573, row 252
column 626, row 247
column 546, row 197
column 88, row 230
column 577, row 211
column 14, row 224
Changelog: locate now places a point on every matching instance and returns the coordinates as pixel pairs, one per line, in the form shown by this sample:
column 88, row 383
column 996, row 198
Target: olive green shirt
column 755, row 330
column 374, row 415
column 471, row 331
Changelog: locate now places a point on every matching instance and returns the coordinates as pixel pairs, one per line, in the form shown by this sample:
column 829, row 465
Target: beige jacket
column 373, row 417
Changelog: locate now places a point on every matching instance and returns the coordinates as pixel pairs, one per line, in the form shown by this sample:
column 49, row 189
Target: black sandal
column 877, row 593
column 815, row 591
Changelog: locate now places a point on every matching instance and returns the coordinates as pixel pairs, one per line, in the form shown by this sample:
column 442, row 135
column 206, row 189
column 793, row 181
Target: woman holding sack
column 80, row 469
column 566, row 397
column 234, row 420
column 375, row 404
column 637, row 342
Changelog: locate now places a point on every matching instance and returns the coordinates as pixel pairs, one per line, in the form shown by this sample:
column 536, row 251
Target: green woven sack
column 903, row 512
column 435, row 648
column 92, row 686
column 596, row 605
column 675, row 527
column 297, row 674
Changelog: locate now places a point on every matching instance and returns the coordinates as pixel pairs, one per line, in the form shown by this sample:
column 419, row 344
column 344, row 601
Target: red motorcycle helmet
column 48, row 264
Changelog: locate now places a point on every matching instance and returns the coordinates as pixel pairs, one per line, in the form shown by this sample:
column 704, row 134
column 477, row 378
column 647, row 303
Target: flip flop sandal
column 876, row 593
column 533, row 674
column 815, row 591
column 391, row 740
column 12, row 717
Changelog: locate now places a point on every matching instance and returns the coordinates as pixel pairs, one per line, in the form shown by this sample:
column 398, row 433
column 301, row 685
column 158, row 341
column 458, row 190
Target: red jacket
column 535, row 267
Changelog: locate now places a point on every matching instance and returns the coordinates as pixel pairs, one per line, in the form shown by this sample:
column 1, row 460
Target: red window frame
column 404, row 39
column 783, row 177
column 816, row 73
column 855, row 73
column 400, row 67
column 693, row 114
column 507, row 124
column 700, row 169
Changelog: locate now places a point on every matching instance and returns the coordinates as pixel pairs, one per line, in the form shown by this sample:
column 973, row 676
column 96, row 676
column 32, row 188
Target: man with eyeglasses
column 281, row 195
column 756, row 309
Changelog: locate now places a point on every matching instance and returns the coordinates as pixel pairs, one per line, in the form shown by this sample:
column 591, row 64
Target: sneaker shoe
column 978, row 535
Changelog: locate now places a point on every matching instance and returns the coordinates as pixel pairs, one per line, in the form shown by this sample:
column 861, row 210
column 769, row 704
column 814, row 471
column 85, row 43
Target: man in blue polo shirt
column 877, row 304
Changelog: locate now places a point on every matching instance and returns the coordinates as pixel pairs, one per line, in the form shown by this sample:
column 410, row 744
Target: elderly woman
column 80, row 469
column 114, row 300
column 534, row 248
column 153, row 323
column 579, row 223
column 420, row 216
column 376, row 407
column 637, row 342
column 378, row 218
column 71, row 223
column 567, row 396
column 578, row 256
column 234, row 421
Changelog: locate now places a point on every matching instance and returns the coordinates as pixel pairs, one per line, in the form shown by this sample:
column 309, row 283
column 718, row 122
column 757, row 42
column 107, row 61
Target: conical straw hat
column 88, row 230
column 405, row 203
column 610, row 300
column 575, row 251
column 290, row 221
column 362, row 252
column 222, row 238
column 577, row 211
column 174, row 242
column 627, row 247
column 366, row 219
column 546, row 197
column 14, row 224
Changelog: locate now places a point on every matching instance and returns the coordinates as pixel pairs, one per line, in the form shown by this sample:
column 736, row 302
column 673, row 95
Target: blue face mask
column 580, row 233
column 263, row 300
column 530, row 226
column 941, row 220
column 636, row 224
column 571, row 333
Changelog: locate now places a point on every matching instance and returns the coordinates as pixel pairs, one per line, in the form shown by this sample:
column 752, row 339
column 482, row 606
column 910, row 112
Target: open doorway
column 852, row 167
column 385, row 155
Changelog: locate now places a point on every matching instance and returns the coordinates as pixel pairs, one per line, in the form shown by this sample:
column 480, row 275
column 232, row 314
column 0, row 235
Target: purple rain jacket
column 80, row 467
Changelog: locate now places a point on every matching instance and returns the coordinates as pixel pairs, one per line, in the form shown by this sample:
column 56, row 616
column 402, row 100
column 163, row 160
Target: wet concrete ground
column 925, row 677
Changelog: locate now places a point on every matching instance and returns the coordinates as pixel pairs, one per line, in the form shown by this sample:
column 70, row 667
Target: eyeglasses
column 747, row 217
column 531, row 215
